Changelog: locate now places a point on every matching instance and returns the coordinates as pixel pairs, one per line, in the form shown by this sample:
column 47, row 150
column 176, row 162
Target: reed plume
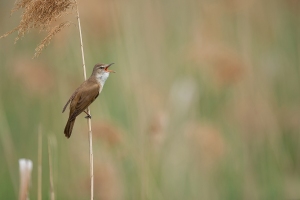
column 41, row 15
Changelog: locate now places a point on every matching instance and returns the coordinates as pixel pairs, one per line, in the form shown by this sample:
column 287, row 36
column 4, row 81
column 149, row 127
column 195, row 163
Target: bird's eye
column 101, row 67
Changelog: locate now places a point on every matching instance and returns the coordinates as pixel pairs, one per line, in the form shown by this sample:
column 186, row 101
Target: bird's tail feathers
column 69, row 128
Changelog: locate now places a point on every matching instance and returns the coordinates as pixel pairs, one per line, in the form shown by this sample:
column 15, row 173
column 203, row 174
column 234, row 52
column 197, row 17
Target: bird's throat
column 101, row 78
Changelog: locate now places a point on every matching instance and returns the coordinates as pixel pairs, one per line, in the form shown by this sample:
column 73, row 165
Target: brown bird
column 85, row 94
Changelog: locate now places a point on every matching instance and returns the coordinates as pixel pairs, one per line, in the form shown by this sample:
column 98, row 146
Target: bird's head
column 101, row 71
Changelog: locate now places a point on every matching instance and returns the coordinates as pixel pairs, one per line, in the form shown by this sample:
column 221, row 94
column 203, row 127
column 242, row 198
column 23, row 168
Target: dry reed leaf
column 41, row 14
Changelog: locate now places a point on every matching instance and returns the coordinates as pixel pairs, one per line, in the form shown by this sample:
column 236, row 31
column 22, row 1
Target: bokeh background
column 205, row 103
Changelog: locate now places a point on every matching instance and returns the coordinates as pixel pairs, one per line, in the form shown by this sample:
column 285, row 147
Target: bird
column 85, row 94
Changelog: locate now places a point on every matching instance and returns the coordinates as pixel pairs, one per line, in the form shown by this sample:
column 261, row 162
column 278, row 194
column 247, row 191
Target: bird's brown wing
column 70, row 99
column 73, row 96
column 83, row 99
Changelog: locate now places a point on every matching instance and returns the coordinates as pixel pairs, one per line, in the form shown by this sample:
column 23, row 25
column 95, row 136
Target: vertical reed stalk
column 52, row 194
column 88, row 110
column 40, row 150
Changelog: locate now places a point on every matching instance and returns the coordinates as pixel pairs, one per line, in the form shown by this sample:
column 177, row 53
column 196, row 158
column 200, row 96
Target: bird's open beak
column 107, row 70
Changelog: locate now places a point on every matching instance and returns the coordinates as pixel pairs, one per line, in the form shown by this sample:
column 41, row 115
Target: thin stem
column 81, row 43
column 52, row 194
column 88, row 110
column 40, row 150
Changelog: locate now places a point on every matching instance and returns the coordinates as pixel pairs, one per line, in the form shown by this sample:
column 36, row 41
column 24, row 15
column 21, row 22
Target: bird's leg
column 88, row 115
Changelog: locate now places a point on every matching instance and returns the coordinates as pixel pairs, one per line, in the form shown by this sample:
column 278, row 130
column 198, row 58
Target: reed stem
column 88, row 110
column 40, row 153
column 52, row 194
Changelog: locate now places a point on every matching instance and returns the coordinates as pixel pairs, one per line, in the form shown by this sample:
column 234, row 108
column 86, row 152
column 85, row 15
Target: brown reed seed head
column 50, row 35
column 41, row 14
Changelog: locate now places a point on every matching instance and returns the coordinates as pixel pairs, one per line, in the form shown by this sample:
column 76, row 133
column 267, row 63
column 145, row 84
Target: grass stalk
column 40, row 150
column 52, row 194
column 88, row 110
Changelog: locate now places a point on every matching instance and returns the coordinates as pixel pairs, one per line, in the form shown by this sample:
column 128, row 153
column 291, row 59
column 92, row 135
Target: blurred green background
column 205, row 103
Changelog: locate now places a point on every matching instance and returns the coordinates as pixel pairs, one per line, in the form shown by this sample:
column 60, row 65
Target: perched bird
column 85, row 94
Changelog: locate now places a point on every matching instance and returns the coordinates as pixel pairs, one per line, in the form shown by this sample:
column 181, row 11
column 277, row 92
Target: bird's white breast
column 101, row 78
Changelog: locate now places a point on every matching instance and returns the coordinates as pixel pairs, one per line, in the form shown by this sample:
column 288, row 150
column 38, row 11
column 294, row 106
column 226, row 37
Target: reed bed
column 204, row 104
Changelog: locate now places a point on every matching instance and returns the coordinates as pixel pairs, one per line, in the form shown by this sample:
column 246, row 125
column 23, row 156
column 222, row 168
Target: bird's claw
column 88, row 117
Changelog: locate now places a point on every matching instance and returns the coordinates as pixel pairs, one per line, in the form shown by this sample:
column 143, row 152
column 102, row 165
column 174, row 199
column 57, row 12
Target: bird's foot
column 88, row 115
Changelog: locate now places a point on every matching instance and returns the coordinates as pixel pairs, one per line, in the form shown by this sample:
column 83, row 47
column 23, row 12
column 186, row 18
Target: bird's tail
column 69, row 128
